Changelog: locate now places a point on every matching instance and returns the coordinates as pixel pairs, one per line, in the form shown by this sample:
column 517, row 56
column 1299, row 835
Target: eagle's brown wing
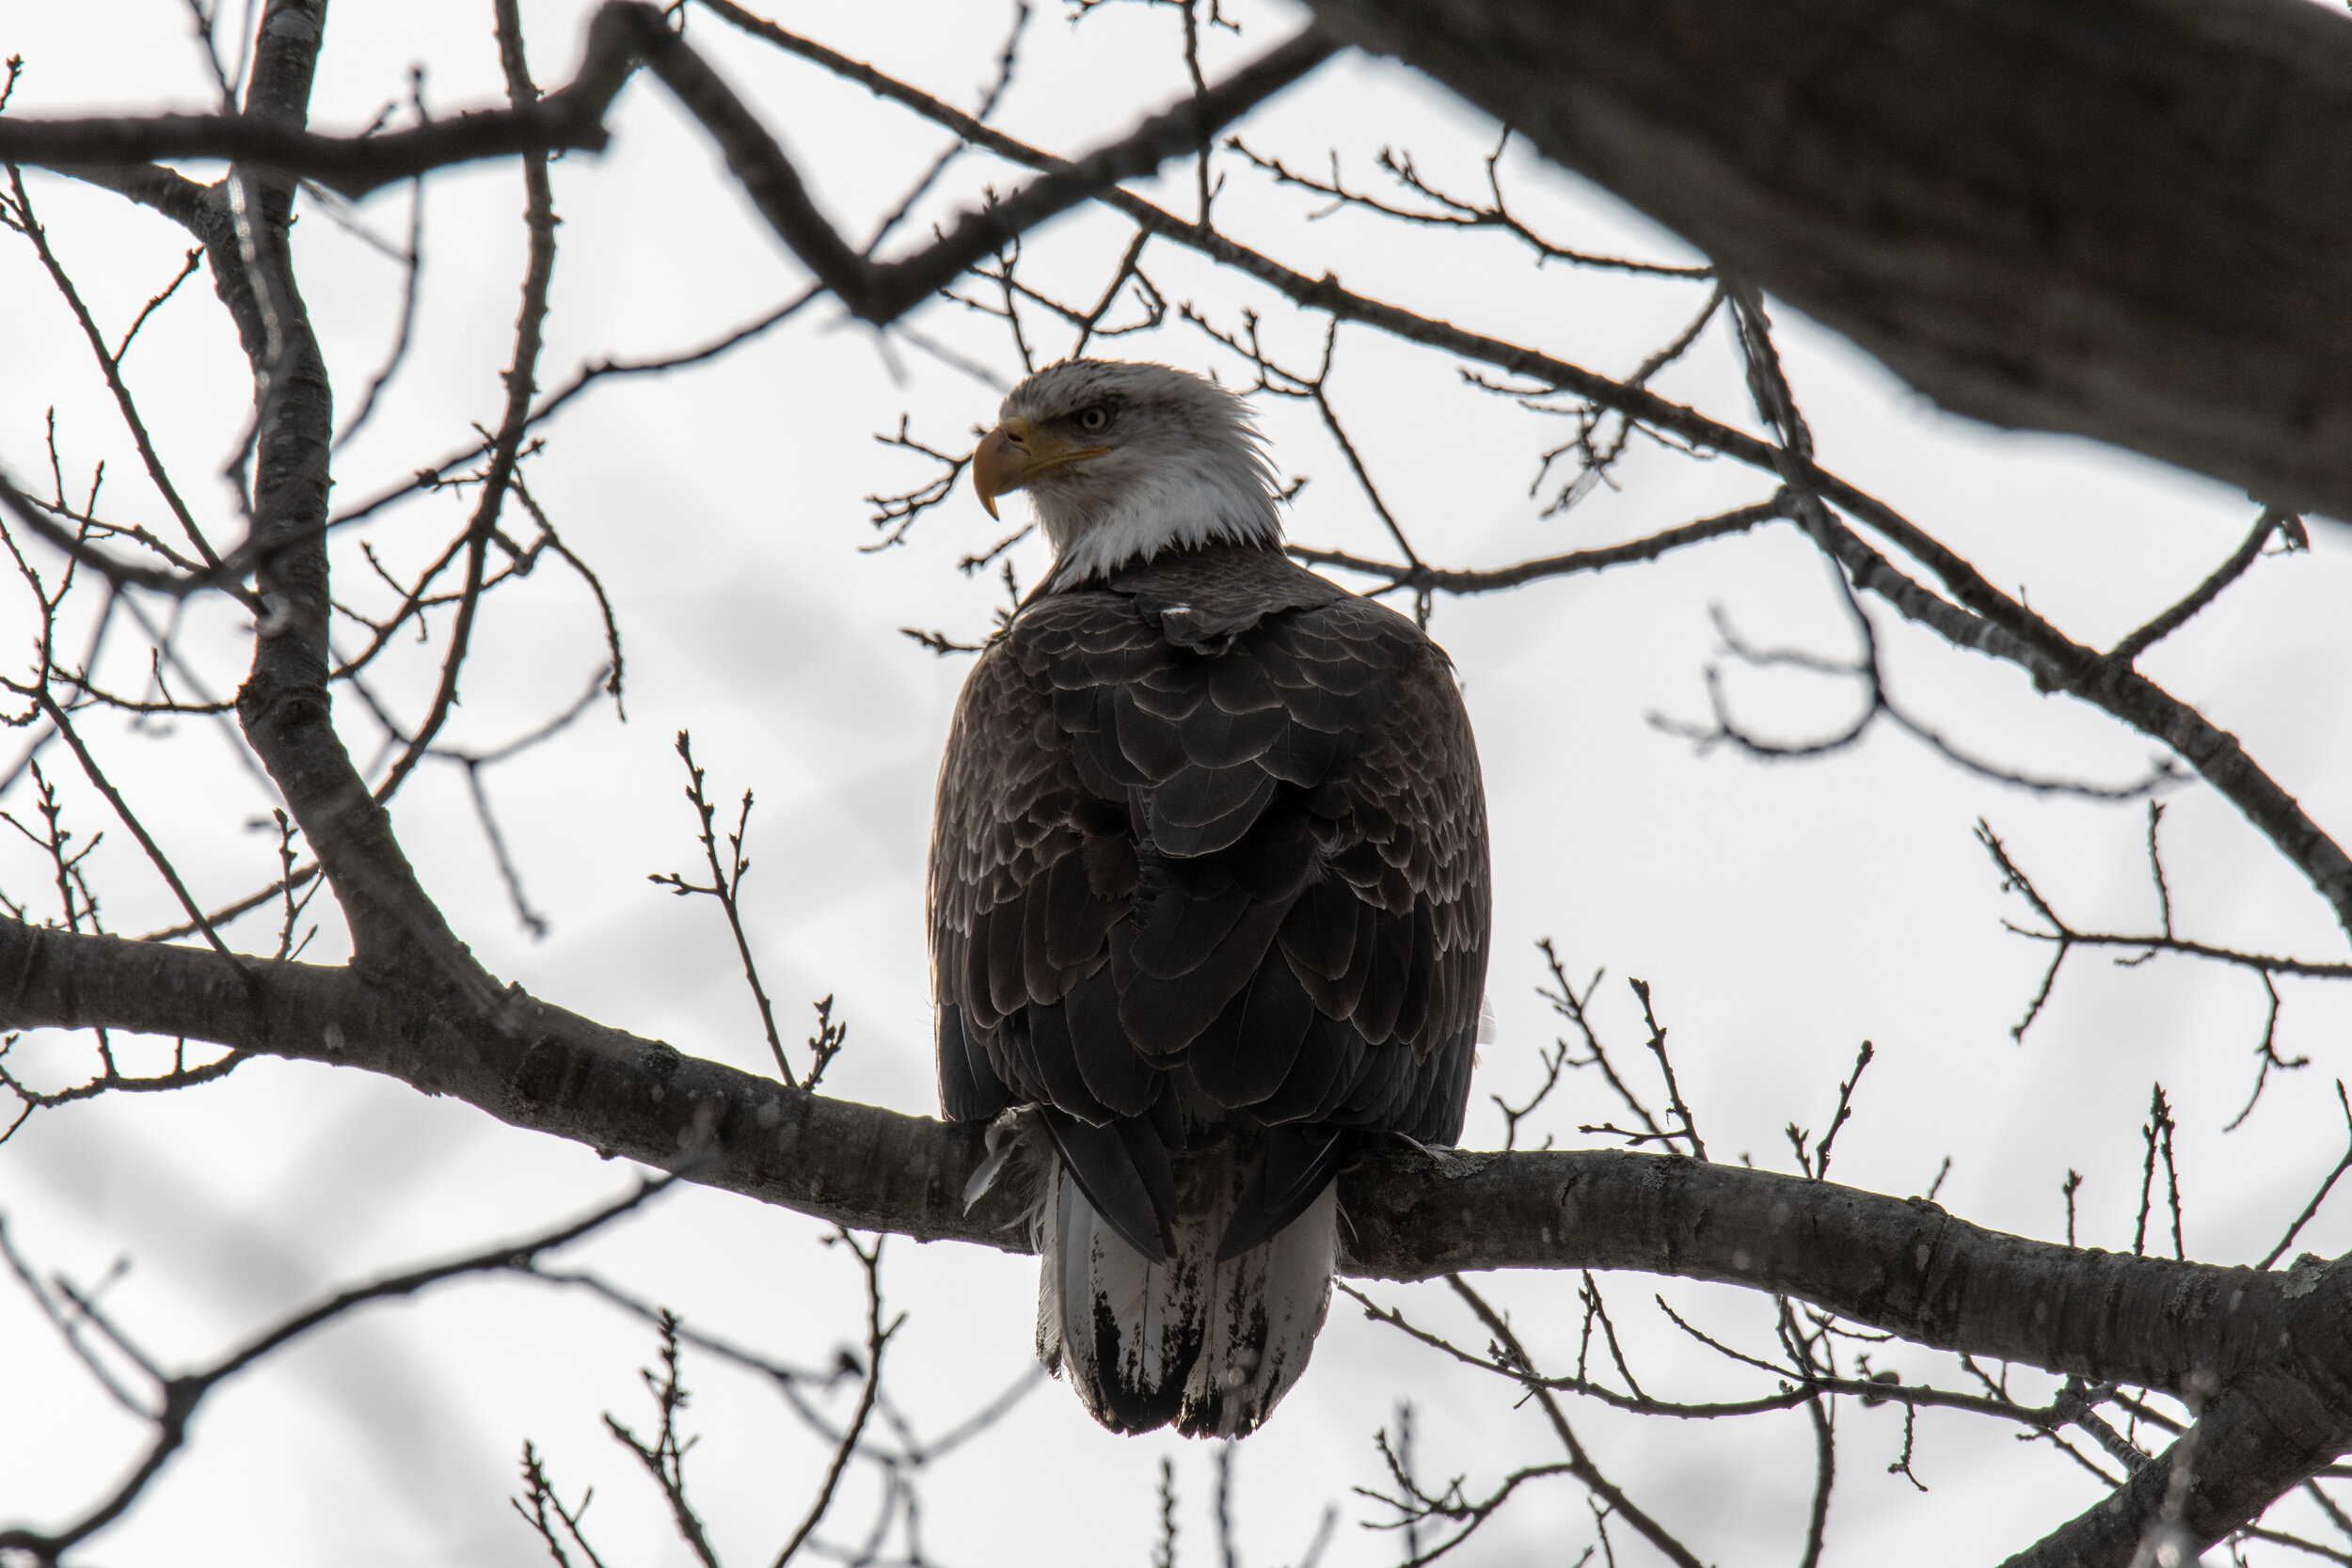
column 1217, row 819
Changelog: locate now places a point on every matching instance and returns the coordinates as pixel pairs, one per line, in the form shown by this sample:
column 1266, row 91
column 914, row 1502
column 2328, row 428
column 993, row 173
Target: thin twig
column 529, row 330
column 876, row 1337
column 154, row 851
column 727, row 881
column 2164, row 626
column 2318, row 1197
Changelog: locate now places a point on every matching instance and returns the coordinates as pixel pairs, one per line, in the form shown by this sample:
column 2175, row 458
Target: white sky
column 1782, row 914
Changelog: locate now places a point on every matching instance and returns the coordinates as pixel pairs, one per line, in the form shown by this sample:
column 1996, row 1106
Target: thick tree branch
column 1899, row 1264
column 2128, row 221
column 623, row 34
column 566, row 121
column 883, row 292
column 2278, row 1345
column 284, row 705
column 2263, row 1437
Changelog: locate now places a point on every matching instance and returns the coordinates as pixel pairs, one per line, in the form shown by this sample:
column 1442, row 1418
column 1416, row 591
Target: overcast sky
column 1782, row 914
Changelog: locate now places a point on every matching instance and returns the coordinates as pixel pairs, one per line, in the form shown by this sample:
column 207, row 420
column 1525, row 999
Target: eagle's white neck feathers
column 1182, row 467
column 1158, row 504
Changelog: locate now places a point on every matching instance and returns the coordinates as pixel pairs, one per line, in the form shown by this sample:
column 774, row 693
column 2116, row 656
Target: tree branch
column 110, row 364
column 571, row 120
column 183, row 1393
column 284, row 705
column 1904, row 1266
column 623, row 34
column 2179, row 615
column 521, row 382
column 1901, row 1265
column 1650, row 549
column 882, row 292
column 2263, row 1437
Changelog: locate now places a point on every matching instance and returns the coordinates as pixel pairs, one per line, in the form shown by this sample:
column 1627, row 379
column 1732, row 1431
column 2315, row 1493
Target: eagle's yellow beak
column 1012, row 455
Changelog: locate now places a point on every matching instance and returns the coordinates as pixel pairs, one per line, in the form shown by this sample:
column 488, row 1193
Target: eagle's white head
column 1123, row 461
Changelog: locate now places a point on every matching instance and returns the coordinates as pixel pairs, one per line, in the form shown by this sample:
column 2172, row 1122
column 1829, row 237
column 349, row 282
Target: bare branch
column 2271, row 521
column 110, row 360
column 1817, row 1168
column 588, row 376
column 183, row 1393
column 877, row 1339
column 727, row 881
column 2158, row 1133
column 540, row 1495
column 880, row 293
column 112, row 1079
column 301, row 876
column 664, row 1458
column 1451, row 211
column 122, row 810
column 1657, row 1044
column 531, row 323
column 569, row 121
column 1579, row 1463
column 412, row 275
column 2326, row 1187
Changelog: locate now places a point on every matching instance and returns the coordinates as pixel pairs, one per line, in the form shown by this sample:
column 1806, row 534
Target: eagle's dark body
column 1209, row 886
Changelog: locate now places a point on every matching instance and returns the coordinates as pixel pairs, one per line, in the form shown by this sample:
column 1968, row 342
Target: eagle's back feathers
column 1210, row 859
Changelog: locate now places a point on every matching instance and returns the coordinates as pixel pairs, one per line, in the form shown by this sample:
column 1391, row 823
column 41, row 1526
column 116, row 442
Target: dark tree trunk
column 2127, row 219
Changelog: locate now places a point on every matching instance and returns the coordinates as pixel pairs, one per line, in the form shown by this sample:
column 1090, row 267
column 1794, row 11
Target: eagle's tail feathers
column 1209, row 1343
column 1126, row 1330
column 1264, row 1313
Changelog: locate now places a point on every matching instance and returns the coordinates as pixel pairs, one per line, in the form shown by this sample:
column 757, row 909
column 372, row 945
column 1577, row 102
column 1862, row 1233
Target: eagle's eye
column 1095, row 418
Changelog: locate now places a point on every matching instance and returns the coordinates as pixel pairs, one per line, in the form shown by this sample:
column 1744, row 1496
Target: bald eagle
column 1209, row 889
